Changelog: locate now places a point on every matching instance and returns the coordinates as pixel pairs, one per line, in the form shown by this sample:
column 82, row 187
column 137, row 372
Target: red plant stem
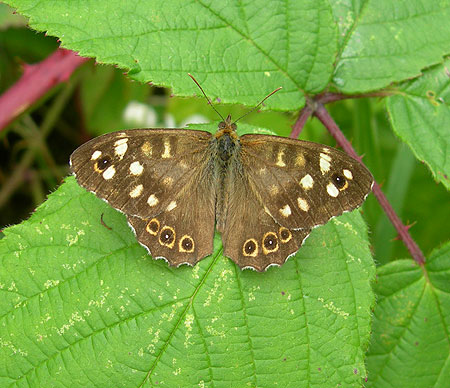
column 36, row 80
column 306, row 112
column 402, row 230
column 326, row 98
column 322, row 114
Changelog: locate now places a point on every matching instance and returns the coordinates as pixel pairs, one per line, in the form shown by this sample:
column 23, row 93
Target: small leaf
column 410, row 341
column 420, row 115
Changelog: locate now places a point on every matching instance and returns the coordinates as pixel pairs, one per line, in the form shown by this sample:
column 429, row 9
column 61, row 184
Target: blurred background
column 35, row 147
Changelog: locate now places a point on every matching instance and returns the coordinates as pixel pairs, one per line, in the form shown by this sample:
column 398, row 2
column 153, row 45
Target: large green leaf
column 388, row 41
column 410, row 342
column 420, row 114
column 263, row 45
column 83, row 304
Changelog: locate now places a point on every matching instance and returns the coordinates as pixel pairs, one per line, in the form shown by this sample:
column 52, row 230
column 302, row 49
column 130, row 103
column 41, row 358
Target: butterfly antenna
column 207, row 99
column 255, row 107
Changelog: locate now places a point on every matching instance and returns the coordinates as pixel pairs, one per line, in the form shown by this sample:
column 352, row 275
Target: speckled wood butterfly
column 263, row 193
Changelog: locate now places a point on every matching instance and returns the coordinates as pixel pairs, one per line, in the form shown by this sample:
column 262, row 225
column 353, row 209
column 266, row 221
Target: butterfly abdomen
column 225, row 148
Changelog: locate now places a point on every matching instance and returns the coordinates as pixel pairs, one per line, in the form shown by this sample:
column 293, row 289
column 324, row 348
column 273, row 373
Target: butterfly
column 263, row 193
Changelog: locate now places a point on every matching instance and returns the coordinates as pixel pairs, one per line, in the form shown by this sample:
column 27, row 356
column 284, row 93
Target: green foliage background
column 84, row 305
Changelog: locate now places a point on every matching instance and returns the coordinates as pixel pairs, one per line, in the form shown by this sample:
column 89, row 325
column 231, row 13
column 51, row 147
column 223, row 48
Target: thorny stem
column 317, row 108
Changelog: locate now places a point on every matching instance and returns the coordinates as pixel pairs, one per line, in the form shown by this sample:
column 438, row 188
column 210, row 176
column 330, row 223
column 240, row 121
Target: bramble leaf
column 412, row 324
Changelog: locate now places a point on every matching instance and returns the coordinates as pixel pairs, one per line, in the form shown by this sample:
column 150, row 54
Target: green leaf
column 8, row 19
column 389, row 41
column 410, row 340
column 420, row 115
column 84, row 305
column 264, row 46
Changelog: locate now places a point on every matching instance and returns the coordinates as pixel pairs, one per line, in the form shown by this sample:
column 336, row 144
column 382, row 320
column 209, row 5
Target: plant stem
column 36, row 80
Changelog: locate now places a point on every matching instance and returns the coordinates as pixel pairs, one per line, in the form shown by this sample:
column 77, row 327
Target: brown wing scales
column 150, row 167
column 303, row 184
column 252, row 238
column 183, row 233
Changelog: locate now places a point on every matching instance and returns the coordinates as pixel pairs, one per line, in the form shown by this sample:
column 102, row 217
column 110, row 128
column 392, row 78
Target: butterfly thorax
column 227, row 139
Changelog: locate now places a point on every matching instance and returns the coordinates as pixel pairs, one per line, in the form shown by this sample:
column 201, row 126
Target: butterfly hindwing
column 183, row 233
column 263, row 241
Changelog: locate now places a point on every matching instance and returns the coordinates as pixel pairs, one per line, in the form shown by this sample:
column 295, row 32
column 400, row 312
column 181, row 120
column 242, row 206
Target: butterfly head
column 227, row 129
column 227, row 126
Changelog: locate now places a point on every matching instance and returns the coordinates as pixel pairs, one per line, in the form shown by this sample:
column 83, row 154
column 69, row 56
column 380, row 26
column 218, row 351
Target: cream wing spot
column 120, row 142
column 324, row 166
column 307, row 182
column 332, row 190
column 137, row 191
column 172, row 205
column 121, row 147
column 285, row 211
column 146, row 149
column 152, row 200
column 300, row 160
column 280, row 161
column 166, row 154
column 303, row 204
column 96, row 155
column 168, row 181
column 348, row 174
column 325, row 157
column 324, row 163
column 121, row 150
column 136, row 168
column 274, row 190
column 109, row 172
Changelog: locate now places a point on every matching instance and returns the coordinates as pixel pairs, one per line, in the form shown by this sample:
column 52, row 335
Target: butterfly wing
column 139, row 171
column 282, row 188
column 263, row 241
column 303, row 184
column 160, row 178
column 183, row 233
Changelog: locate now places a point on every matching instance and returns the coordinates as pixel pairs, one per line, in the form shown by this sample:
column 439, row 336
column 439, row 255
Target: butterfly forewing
column 140, row 171
column 302, row 184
